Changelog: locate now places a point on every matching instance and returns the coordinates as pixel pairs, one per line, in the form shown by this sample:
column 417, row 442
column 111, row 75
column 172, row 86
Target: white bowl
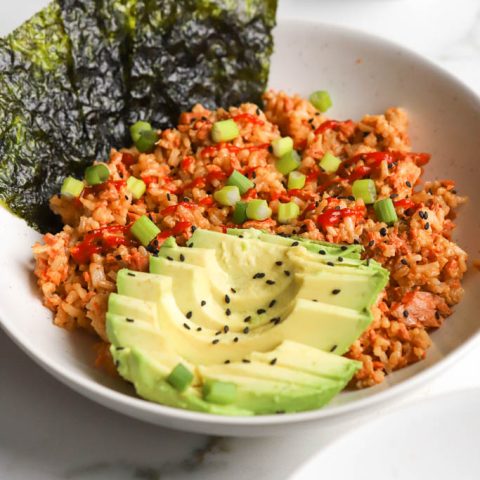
column 364, row 75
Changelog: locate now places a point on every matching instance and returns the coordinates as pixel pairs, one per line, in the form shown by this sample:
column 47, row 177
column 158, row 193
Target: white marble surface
column 48, row 432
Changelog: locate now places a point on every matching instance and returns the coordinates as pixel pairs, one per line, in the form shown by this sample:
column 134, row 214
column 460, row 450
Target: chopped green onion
column 227, row 196
column 281, row 146
column 136, row 186
column 321, row 100
column 97, row 174
column 288, row 162
column 330, row 163
column 72, row 187
column 223, row 393
column 288, row 212
column 240, row 212
column 224, row 131
column 241, row 181
column 296, row 180
column 258, row 210
column 144, row 230
column 146, row 141
column 180, row 377
column 137, row 128
column 385, row 211
column 365, row 190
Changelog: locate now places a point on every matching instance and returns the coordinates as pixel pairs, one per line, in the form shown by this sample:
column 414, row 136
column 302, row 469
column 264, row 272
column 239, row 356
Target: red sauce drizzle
column 248, row 117
column 173, row 208
column 332, row 216
column 331, row 125
column 405, row 203
column 212, row 149
column 178, row 229
column 186, row 163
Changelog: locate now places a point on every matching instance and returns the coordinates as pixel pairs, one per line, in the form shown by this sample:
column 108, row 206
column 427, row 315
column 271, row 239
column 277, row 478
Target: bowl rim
column 140, row 408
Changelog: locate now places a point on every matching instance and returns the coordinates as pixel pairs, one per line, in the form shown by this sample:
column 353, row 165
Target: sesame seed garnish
column 182, row 257
column 330, row 264
column 189, row 314
column 218, row 333
column 351, row 198
column 314, row 300
column 170, row 258
column 408, row 184
column 258, row 275
column 333, row 348
column 270, row 282
column 260, row 311
column 203, row 303
column 233, row 290
column 226, row 328
column 280, row 412
column 383, row 231
column 272, row 303
column 235, row 339
column 169, row 197
column 336, row 291
column 295, row 244
column 245, row 360
column 371, row 243
column 340, row 259
column 226, row 361
column 247, row 319
column 393, row 195
column 117, row 363
column 130, row 274
column 273, row 361
column 322, row 252
column 275, row 320
column 427, row 226
column 199, row 329
column 123, row 348
column 343, row 248
column 405, row 313
column 215, row 341
column 403, row 261
column 246, row 330
column 187, row 326
column 228, row 312
column 286, row 272
column 227, row 299
column 437, row 315
column 279, row 263
column 193, row 228
column 130, row 320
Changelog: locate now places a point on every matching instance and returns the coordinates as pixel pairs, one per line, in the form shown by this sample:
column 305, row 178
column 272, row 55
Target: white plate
column 364, row 75
column 436, row 438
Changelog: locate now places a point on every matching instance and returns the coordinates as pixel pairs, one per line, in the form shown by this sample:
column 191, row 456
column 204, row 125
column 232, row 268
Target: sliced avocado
column 131, row 307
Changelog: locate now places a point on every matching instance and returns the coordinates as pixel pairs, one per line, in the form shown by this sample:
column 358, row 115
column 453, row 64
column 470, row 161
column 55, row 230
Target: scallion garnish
column 365, row 190
column 258, row 210
column 282, row 146
column 180, row 377
column 330, row 163
column 241, row 181
column 321, row 100
column 224, row 131
column 72, row 187
column 288, row 212
column 223, row 393
column 227, row 196
column 385, row 211
column 288, row 162
column 136, row 186
column 97, row 174
column 296, row 180
column 137, row 128
column 240, row 212
column 146, row 141
column 144, row 230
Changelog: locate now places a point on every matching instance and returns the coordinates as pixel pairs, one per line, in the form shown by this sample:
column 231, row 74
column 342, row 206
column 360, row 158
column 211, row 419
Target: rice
column 426, row 266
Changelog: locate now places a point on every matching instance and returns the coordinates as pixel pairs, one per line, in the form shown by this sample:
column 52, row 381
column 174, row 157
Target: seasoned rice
column 426, row 266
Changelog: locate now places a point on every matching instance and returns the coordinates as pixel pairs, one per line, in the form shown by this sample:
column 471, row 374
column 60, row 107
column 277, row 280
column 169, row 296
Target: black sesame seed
column 333, row 348
column 226, row 328
column 405, row 313
column 130, row 274
column 123, row 348
column 322, row 252
column 340, row 259
column 228, row 312
column 235, row 340
column 226, row 362
column 437, row 315
column 427, row 226
column 258, row 275
column 203, row 303
column 233, row 290
column 254, row 174
column 371, row 243
column 275, row 320
column 286, row 272
column 186, row 199
column 130, row 320
column 118, row 257
column 383, row 231
column 240, row 236
column 170, row 258
column 246, row 330
column 310, row 120
column 199, row 329
column 272, row 303
column 280, row 412
column 247, row 319
column 215, row 341
column 273, row 361
column 117, row 363
column 270, row 282
column 330, row 264
column 408, row 184
column 189, row 314
column 186, row 326
column 270, row 149
column 261, row 311
column 314, row 300
column 351, row 198
column 182, row 257
column 453, row 191
column 169, row 197
column 295, row 244
column 227, row 299
column 193, row 228
column 356, row 241
column 393, row 195
column 343, row 248
column 126, row 197
column 279, row 263
column 403, row 261
column 245, row 360
column 336, row 291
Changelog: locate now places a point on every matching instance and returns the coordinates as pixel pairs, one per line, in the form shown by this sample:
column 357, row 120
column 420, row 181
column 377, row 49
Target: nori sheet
column 77, row 74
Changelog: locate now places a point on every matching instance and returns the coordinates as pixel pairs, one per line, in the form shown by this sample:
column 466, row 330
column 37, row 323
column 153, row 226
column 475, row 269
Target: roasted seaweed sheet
column 77, row 74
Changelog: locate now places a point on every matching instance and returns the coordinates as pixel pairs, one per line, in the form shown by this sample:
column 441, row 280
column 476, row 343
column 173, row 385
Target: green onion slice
column 365, row 190
column 72, row 187
column 136, row 186
column 216, row 391
column 296, row 180
column 282, row 146
column 385, row 211
column 144, row 230
column 330, row 163
column 321, row 100
column 224, row 131
column 240, row 212
column 138, row 128
column 258, row 210
column 288, row 162
column 241, row 181
column 227, row 196
column 288, row 212
column 97, row 174
column 180, row 377
column 146, row 141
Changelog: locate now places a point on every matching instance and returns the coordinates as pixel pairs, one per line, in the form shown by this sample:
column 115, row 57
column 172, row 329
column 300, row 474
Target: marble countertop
column 48, row 432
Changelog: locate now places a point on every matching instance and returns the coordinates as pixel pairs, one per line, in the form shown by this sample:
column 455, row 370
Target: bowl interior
column 363, row 75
